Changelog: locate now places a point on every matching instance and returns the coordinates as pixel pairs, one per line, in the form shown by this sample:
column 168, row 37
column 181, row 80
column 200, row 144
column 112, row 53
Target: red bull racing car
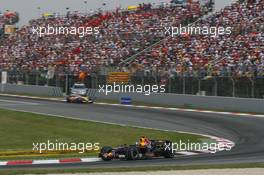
column 143, row 150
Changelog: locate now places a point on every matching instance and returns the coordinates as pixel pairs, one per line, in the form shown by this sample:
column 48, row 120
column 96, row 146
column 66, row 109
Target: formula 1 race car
column 139, row 151
column 76, row 98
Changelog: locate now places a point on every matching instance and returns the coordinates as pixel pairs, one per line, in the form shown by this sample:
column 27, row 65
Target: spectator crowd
column 122, row 34
column 239, row 54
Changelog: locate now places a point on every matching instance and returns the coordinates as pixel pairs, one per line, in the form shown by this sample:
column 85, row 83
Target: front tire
column 104, row 151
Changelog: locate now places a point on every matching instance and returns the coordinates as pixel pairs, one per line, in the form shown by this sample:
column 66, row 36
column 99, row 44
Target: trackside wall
column 31, row 90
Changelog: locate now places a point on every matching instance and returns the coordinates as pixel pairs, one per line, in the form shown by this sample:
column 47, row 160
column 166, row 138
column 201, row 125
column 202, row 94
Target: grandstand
column 134, row 41
column 122, row 34
column 239, row 54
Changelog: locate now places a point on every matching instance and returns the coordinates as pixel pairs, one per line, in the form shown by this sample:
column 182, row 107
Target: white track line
column 38, row 162
column 95, row 159
column 58, row 161
column 18, row 102
column 188, row 153
column 3, row 163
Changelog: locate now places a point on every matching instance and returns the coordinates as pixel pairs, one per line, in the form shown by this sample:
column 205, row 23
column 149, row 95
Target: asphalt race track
column 246, row 131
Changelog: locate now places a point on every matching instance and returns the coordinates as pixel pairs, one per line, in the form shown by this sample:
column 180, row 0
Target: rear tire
column 132, row 153
column 168, row 152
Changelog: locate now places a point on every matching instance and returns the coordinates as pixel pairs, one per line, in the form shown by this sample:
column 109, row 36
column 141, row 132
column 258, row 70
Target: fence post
column 57, row 80
column 66, row 83
column 233, row 87
column 94, row 79
column 183, row 88
column 170, row 84
column 156, row 78
column 47, row 77
column 37, row 78
column 252, row 88
column 17, row 77
column 199, row 85
column 27, row 76
column 216, row 87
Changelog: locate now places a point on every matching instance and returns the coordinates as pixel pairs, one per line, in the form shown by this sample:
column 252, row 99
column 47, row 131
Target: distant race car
column 76, row 98
column 79, row 88
column 141, row 150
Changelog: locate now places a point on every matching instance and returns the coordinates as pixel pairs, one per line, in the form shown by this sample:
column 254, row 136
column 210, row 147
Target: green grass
column 18, row 131
column 127, row 169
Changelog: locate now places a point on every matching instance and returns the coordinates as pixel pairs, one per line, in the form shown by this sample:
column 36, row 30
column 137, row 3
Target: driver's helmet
column 144, row 142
